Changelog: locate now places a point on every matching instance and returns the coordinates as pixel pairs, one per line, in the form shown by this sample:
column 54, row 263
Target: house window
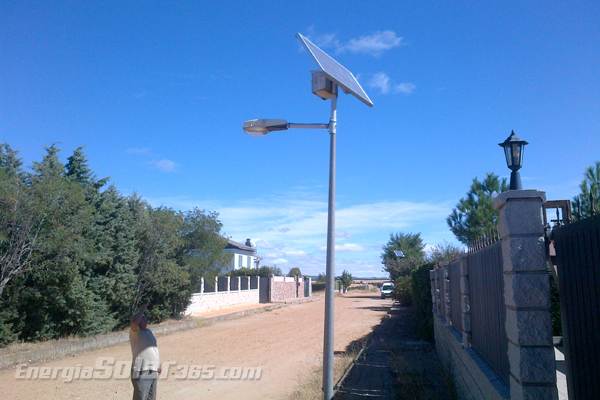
column 249, row 262
column 240, row 261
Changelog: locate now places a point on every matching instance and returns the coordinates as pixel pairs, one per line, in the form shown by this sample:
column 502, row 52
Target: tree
column 322, row 277
column 589, row 184
column 400, row 268
column 274, row 270
column 20, row 226
column 9, row 162
column 475, row 214
column 295, row 272
column 444, row 252
column 202, row 245
column 50, row 167
column 413, row 248
column 78, row 170
column 346, row 280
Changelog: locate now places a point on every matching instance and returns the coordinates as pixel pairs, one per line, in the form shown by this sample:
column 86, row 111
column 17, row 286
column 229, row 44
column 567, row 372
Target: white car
column 387, row 289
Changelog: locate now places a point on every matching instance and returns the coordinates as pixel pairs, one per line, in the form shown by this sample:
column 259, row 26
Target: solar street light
column 399, row 254
column 325, row 85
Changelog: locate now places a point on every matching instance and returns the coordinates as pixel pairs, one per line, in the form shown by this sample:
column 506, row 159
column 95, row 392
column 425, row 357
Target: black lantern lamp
column 513, row 149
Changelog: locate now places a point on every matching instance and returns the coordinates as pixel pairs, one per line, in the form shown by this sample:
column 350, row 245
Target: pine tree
column 475, row 214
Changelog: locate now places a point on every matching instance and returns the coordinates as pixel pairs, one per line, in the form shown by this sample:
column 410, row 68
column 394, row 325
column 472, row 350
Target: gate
column 578, row 262
column 263, row 295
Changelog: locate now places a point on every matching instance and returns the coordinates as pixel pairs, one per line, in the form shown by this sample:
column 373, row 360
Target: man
column 145, row 364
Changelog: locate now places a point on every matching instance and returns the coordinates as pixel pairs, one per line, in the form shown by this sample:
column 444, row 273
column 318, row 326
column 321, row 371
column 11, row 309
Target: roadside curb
column 99, row 342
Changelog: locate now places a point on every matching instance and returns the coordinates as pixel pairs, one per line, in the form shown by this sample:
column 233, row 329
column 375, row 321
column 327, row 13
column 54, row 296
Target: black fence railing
column 578, row 260
column 455, row 296
column 488, row 312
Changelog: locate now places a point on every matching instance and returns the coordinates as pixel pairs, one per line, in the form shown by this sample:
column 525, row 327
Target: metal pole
column 330, row 267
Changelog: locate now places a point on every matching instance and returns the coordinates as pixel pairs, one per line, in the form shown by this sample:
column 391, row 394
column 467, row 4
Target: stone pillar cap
column 501, row 200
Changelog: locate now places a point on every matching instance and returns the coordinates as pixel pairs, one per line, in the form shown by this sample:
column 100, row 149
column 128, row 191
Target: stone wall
column 526, row 298
column 287, row 287
column 204, row 302
column 209, row 301
column 474, row 378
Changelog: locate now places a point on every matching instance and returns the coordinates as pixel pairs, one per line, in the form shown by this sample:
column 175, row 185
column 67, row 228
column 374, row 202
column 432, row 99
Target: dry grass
column 310, row 386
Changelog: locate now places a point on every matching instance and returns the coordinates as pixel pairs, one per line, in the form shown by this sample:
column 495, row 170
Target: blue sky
column 158, row 93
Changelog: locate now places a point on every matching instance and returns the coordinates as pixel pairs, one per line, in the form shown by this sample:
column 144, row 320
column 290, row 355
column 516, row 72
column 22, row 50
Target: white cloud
column 380, row 81
column 165, row 165
column 384, row 84
column 361, row 228
column 143, row 150
column 374, row 44
column 323, row 40
column 405, row 87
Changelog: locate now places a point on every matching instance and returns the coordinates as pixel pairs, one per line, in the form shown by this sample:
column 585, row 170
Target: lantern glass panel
column 516, row 155
column 507, row 153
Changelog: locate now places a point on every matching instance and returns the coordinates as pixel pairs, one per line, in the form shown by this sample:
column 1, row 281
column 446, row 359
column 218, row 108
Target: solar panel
column 335, row 71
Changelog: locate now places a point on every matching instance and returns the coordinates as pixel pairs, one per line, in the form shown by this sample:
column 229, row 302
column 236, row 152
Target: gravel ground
column 395, row 364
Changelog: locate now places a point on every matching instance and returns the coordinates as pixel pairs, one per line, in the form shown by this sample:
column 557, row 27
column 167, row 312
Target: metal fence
column 488, row 312
column 578, row 259
column 455, row 304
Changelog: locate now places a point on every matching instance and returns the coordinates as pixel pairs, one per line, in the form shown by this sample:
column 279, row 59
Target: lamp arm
column 292, row 125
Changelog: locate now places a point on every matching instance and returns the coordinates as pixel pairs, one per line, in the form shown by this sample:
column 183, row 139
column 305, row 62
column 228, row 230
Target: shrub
column 402, row 290
column 318, row 286
column 421, row 294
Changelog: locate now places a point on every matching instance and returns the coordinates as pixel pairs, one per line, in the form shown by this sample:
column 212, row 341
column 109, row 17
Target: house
column 244, row 255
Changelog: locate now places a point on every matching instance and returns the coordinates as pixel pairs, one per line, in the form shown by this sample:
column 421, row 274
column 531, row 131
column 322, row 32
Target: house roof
column 235, row 245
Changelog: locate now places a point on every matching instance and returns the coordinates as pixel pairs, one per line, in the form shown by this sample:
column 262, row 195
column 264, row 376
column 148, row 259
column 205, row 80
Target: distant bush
column 402, row 290
column 318, row 286
column 421, row 294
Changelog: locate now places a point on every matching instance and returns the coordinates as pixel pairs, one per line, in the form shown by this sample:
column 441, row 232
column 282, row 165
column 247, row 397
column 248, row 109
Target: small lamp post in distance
column 513, row 150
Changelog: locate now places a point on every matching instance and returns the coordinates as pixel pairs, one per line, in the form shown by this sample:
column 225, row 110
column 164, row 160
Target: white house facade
column 244, row 255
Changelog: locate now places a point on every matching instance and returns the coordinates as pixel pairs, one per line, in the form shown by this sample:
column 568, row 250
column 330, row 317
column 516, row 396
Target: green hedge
column 421, row 296
column 318, row 286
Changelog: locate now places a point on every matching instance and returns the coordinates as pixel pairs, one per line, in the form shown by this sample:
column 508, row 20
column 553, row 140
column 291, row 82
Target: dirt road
column 210, row 362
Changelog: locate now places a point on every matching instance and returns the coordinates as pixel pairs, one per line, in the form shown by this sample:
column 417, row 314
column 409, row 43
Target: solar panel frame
column 335, row 71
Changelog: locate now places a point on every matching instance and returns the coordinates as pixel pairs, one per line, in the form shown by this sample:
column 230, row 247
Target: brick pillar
column 465, row 304
column 432, row 275
column 526, row 295
column 437, row 296
column 446, row 292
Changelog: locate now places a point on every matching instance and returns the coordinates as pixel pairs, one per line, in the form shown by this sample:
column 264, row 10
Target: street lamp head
column 260, row 127
column 513, row 150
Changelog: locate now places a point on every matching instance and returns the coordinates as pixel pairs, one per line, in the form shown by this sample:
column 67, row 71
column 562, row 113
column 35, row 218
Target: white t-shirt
column 144, row 350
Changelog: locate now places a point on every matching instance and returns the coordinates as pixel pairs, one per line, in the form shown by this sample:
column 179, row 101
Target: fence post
column 446, row 293
column 436, row 285
column 526, row 295
column 216, row 284
column 201, row 286
column 432, row 275
column 465, row 305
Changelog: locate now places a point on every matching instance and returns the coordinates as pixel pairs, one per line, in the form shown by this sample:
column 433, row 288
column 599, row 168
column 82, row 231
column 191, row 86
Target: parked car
column 387, row 289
